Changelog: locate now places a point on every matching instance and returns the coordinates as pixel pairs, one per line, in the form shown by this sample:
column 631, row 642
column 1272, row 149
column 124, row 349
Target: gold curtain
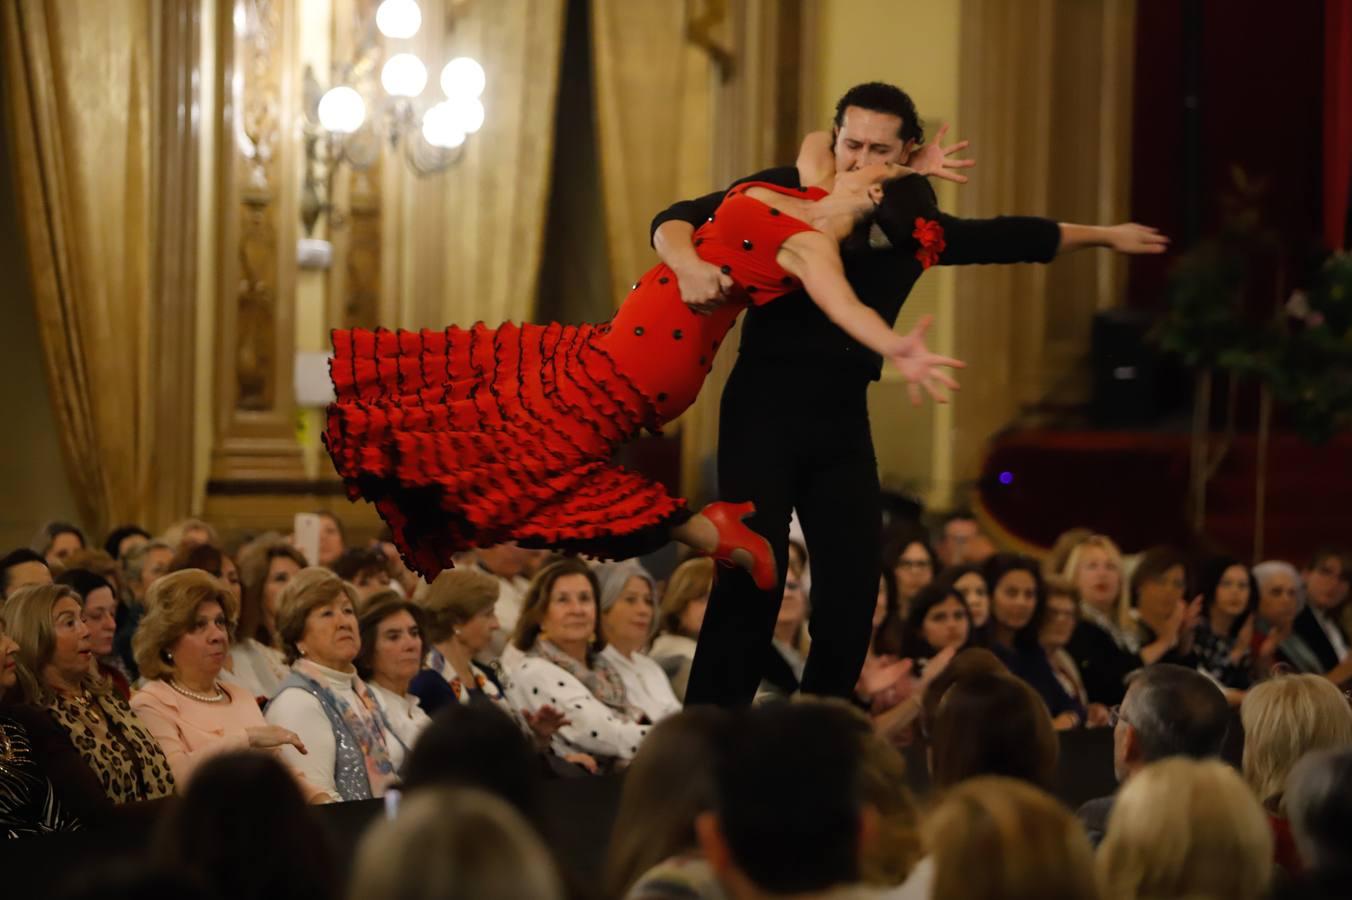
column 465, row 245
column 81, row 105
column 654, row 110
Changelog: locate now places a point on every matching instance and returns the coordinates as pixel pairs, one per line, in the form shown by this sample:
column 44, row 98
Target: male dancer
column 794, row 429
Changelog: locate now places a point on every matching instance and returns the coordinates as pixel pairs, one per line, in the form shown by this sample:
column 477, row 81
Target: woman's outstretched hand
column 921, row 368
column 1132, row 238
column 936, row 160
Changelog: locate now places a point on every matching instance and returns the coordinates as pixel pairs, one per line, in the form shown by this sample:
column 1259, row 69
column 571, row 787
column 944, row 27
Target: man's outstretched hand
column 934, row 159
column 921, row 368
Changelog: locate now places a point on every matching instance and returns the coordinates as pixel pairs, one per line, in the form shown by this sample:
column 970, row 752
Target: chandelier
column 367, row 109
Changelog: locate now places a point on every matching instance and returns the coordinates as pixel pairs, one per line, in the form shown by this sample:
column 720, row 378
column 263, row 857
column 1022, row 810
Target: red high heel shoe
column 733, row 535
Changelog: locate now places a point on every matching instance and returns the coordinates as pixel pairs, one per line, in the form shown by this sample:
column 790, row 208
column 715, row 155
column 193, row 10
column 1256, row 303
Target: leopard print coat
column 118, row 749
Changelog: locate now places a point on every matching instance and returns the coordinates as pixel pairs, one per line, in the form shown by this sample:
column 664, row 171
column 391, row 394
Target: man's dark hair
column 16, row 558
column 790, row 793
column 1152, row 566
column 1328, row 551
column 1176, row 711
column 884, row 98
column 962, row 514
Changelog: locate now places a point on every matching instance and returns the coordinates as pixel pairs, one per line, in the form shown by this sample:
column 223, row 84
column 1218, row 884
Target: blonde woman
column 323, row 700
column 1103, row 648
column 996, row 838
column 1284, row 719
column 454, row 844
column 193, row 713
column 681, row 617
column 1186, row 828
column 55, row 672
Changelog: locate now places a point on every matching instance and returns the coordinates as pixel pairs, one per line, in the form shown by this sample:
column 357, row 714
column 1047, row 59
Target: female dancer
column 472, row 437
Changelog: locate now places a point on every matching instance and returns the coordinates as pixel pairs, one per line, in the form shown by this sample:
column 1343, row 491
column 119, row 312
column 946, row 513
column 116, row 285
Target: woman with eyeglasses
column 911, row 560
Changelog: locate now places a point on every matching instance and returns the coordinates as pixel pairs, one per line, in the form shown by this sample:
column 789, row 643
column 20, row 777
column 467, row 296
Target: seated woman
column 628, row 614
column 1224, row 635
column 28, row 803
column 323, row 700
column 911, row 560
column 99, row 601
column 937, row 627
column 265, row 567
column 968, row 581
column 1062, row 615
column 1275, row 642
column 559, row 635
column 786, row 657
column 56, row 673
column 682, row 614
column 141, row 565
column 424, row 422
column 882, row 670
column 1018, row 607
column 365, row 568
column 181, row 647
column 391, row 655
column 208, row 558
column 1160, row 610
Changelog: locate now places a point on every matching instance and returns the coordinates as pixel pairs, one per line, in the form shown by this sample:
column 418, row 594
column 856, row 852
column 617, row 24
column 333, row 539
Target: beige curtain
column 465, row 245
column 654, row 110
column 79, row 101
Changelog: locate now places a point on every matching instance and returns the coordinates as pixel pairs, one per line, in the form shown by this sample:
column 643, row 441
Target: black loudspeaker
column 1126, row 370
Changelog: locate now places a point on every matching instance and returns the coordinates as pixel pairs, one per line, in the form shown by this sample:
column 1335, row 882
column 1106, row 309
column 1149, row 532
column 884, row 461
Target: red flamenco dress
column 471, row 437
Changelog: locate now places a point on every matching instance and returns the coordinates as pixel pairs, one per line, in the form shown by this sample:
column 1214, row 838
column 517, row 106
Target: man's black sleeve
column 1000, row 240
column 698, row 210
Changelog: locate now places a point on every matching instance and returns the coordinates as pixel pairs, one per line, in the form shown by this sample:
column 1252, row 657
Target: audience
column 1185, row 828
column 990, row 723
column 99, row 611
column 476, row 746
column 28, row 801
column 1317, row 624
column 885, row 678
column 21, row 568
column 968, row 581
column 1168, row 711
column 366, row 569
column 682, row 615
column 790, row 818
column 1284, row 719
column 654, row 851
column 1279, row 602
column 909, row 557
column 786, row 657
column 1062, row 614
column 562, row 666
column 392, row 646
column 245, row 830
column 181, row 648
column 123, row 538
column 141, row 566
column 209, row 558
column 1018, row 607
column 55, row 673
column 1104, row 651
column 55, row 541
column 266, row 566
column 628, row 619
column 994, row 838
column 506, row 563
column 1224, row 633
column 190, row 532
column 454, row 845
column 1159, row 610
column 1319, row 805
column 332, row 538
column 957, row 530
column 323, row 700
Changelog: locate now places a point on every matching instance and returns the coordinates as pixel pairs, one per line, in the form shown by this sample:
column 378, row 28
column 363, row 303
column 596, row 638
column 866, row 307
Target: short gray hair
column 1176, row 711
column 1263, row 572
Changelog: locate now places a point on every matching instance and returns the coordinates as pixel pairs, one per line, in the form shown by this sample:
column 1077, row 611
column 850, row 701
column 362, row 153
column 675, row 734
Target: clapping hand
column 936, row 160
column 544, row 722
column 920, row 367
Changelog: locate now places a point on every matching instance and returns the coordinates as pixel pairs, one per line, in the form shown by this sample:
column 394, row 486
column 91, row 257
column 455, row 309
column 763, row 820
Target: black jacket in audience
column 1308, row 629
column 1104, row 665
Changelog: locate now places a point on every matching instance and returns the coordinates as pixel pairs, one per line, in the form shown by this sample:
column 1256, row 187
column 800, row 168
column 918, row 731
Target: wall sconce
column 367, row 108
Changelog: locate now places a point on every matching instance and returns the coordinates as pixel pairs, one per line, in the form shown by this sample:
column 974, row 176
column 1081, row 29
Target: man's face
column 866, row 137
column 957, row 535
column 1324, row 583
column 1121, row 735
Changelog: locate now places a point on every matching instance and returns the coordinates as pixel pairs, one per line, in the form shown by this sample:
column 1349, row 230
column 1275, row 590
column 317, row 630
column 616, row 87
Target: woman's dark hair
column 120, row 534
column 876, row 96
column 899, row 537
column 479, row 746
column 992, row 724
column 198, row 556
column 243, row 826
column 994, row 571
column 887, row 639
column 84, row 582
column 536, row 602
column 375, row 610
column 977, row 635
column 913, row 643
column 1210, row 579
column 1152, row 566
column 51, row 531
column 356, row 561
column 654, row 823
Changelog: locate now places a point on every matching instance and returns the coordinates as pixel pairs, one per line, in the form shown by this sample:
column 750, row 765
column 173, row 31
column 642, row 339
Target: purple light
column 1006, row 477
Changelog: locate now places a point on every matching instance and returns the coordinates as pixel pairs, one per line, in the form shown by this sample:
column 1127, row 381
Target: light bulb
column 398, row 18
column 440, row 127
column 404, row 75
column 462, row 77
column 469, row 113
column 341, row 110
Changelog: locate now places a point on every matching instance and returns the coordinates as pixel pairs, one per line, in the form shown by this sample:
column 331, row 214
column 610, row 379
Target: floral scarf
column 601, row 679
column 437, row 662
column 364, row 723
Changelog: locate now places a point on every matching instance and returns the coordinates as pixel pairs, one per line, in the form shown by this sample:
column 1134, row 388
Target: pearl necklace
column 219, row 697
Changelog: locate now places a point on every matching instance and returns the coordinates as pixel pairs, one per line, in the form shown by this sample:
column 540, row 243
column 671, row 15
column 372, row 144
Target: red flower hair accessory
column 930, row 234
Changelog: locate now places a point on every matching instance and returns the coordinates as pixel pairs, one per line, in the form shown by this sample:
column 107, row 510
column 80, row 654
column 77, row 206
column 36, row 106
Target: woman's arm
column 592, row 726
column 816, row 163
column 1125, row 238
column 814, row 259
column 298, row 711
column 183, row 758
